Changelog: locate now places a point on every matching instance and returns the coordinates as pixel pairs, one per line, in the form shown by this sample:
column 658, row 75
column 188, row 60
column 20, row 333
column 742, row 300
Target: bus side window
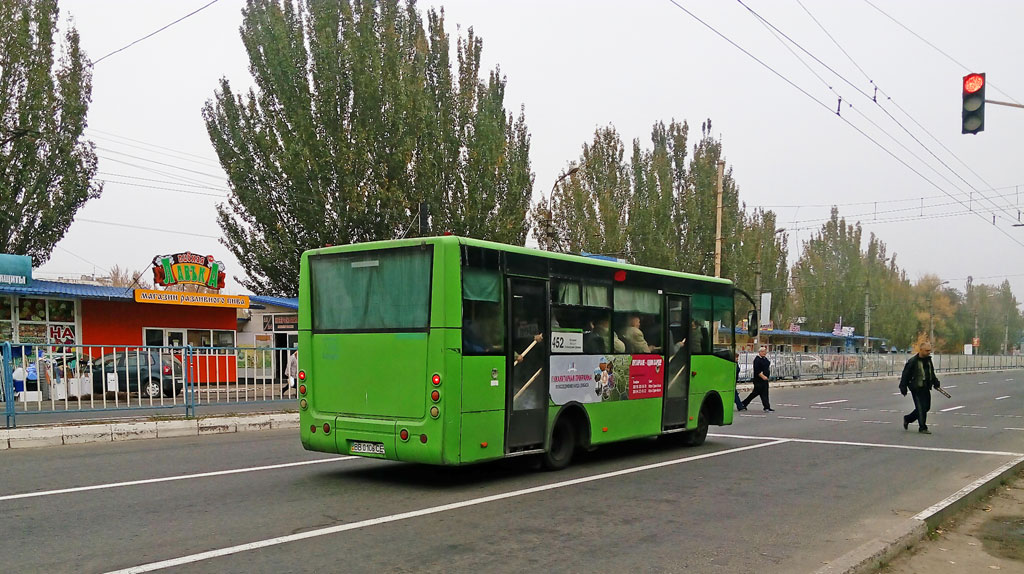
column 483, row 327
column 638, row 319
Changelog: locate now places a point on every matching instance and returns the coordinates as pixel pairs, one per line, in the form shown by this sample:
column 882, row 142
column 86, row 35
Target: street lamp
column 931, row 321
column 549, row 227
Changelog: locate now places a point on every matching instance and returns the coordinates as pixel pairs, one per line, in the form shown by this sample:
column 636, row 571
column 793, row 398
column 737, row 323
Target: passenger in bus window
column 602, row 331
column 700, row 340
column 481, row 335
column 633, row 337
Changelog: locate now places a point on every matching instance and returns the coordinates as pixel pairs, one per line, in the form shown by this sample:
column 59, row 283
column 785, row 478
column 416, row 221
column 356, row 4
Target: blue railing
column 52, row 379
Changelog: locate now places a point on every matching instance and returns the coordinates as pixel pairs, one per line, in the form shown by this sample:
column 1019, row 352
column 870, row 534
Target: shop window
column 223, row 340
column 31, row 332
column 154, row 337
column 61, row 311
column 6, row 319
column 175, row 338
column 638, row 319
column 199, row 338
column 32, row 310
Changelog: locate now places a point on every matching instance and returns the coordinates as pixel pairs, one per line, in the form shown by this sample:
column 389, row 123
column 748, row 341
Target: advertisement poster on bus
column 601, row 378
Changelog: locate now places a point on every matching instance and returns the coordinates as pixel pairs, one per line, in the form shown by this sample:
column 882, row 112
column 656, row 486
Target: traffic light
column 974, row 104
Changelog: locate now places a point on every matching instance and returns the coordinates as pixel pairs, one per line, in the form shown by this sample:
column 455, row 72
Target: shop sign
column 197, row 299
column 15, row 270
column 280, row 322
column 188, row 268
column 62, row 334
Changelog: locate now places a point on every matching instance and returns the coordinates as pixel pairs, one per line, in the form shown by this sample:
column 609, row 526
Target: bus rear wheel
column 563, row 444
column 697, row 436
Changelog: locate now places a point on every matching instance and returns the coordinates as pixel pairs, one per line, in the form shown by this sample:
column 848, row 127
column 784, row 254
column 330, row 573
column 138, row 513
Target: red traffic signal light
column 973, row 109
column 973, row 83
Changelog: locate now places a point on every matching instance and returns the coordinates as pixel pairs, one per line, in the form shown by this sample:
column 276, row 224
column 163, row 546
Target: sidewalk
column 986, row 537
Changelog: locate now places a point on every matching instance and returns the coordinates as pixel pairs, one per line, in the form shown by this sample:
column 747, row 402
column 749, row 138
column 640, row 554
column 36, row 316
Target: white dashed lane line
column 950, row 387
column 833, row 402
column 878, row 422
column 834, row 420
column 982, row 382
column 952, row 409
column 792, row 418
column 1003, row 397
column 968, row 427
column 1013, row 428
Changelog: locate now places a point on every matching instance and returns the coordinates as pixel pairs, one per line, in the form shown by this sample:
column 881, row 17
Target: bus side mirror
column 752, row 323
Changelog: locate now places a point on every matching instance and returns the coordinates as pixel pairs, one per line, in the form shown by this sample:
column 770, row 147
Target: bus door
column 527, row 395
column 677, row 357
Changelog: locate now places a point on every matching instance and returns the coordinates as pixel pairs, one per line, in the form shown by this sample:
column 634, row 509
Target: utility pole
column 718, row 222
column 867, row 318
column 757, row 301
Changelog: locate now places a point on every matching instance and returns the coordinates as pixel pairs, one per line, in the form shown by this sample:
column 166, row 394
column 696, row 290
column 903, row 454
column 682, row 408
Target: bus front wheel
column 697, row 436
column 563, row 444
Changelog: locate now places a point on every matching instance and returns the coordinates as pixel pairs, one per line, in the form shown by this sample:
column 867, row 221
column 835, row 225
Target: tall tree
column 830, row 276
column 46, row 167
column 355, row 122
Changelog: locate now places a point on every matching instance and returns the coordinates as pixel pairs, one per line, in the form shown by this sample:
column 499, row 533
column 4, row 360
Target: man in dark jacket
column 919, row 377
column 762, row 370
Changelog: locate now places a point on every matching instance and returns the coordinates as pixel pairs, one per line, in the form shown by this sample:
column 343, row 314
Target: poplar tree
column 46, row 166
column 356, row 121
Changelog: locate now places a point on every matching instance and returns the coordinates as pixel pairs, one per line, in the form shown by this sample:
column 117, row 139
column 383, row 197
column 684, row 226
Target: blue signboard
column 15, row 270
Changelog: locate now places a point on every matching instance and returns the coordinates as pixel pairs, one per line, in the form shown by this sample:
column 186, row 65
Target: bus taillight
column 436, row 379
column 327, row 428
column 423, row 438
column 312, row 429
column 435, row 412
column 403, row 434
column 302, row 389
column 435, row 396
column 302, row 375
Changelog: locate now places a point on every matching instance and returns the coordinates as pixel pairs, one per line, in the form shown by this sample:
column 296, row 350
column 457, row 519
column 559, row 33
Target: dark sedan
column 146, row 371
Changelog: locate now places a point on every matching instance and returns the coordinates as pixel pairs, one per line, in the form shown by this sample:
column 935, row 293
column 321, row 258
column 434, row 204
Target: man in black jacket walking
column 919, row 377
column 762, row 370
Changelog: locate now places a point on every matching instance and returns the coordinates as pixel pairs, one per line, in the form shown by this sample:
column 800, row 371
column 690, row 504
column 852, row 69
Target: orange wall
column 121, row 322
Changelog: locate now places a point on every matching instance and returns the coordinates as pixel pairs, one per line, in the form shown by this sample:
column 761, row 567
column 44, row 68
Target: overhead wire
column 827, row 107
column 896, row 104
column 154, row 33
column 936, row 48
column 874, row 99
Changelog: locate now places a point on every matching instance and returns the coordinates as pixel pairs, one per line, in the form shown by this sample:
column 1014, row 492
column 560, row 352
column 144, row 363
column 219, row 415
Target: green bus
column 452, row 351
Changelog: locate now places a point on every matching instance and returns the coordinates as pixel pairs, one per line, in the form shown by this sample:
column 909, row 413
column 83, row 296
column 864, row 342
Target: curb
column 33, row 437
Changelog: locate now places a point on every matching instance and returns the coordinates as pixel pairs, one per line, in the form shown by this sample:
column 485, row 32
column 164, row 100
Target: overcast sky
column 579, row 65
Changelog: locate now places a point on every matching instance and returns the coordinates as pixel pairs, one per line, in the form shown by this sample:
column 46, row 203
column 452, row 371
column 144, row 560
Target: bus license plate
column 367, row 447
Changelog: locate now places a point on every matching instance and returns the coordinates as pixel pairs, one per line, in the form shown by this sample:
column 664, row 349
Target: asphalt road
column 779, row 492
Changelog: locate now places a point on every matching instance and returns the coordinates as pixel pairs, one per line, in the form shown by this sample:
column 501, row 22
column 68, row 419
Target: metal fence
column 792, row 365
column 48, row 379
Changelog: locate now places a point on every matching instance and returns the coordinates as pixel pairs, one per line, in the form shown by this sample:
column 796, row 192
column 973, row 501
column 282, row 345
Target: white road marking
column 833, row 402
column 788, row 405
column 897, row 393
column 834, row 420
column 172, row 478
column 793, row 418
column 1009, row 380
column 952, row 409
column 1012, row 428
column 756, row 416
column 949, row 386
column 854, row 409
column 982, row 382
column 967, row 427
column 817, row 407
column 1010, row 416
column 878, row 422
column 924, row 514
column 889, row 411
column 871, row 444
column 1003, row 397
column 192, row 558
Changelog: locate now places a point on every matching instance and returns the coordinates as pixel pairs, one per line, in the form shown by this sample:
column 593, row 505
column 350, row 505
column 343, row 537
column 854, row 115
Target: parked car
column 147, row 372
column 810, row 365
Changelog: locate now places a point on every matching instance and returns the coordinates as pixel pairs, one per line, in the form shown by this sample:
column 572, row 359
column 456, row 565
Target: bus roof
column 446, row 239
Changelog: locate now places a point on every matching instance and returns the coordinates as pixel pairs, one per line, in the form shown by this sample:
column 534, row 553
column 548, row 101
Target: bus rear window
column 386, row 290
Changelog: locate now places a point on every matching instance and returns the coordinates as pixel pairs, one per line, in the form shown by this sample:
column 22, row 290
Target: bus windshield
column 385, row 290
